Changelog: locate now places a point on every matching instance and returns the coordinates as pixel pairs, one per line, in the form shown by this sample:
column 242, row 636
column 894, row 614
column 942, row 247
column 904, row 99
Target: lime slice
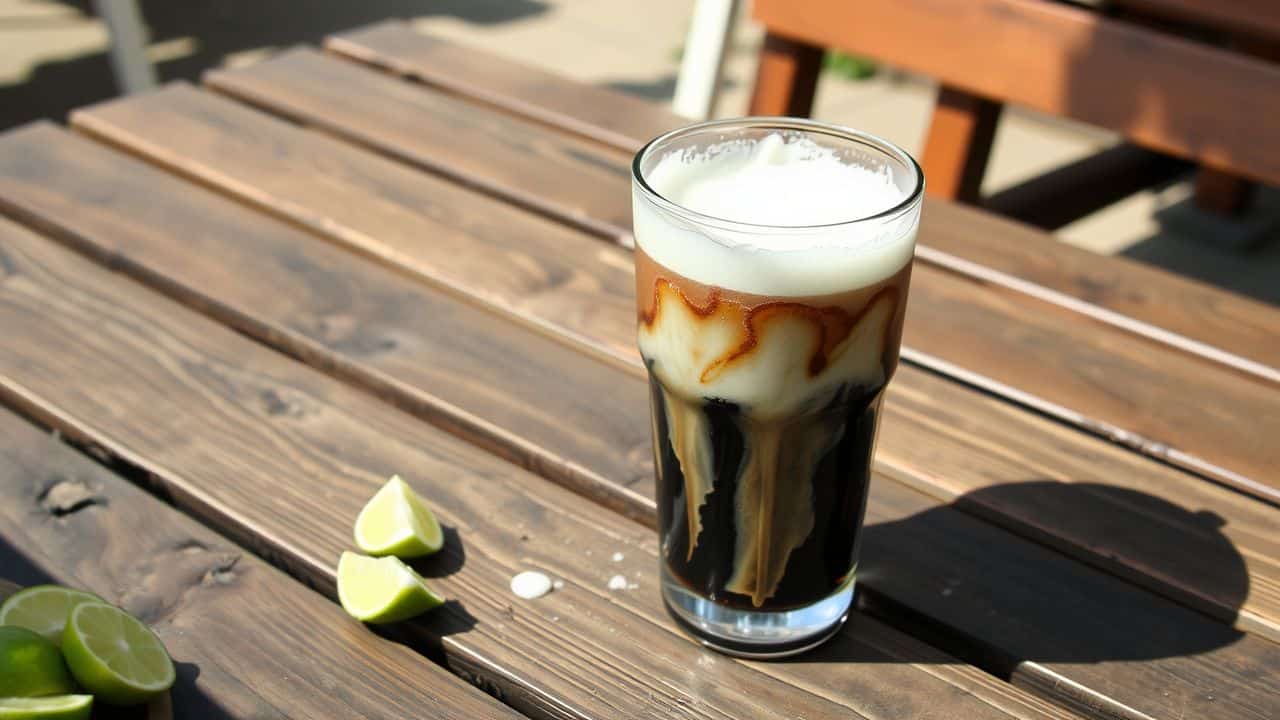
column 30, row 665
column 396, row 522
column 115, row 656
column 56, row 707
column 44, row 609
column 382, row 590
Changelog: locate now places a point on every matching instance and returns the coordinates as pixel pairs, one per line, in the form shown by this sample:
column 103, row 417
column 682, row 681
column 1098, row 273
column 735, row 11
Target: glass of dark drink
column 772, row 263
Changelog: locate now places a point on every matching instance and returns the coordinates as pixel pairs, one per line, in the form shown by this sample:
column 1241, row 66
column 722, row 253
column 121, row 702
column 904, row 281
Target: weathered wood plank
column 147, row 252
column 470, row 237
column 600, row 310
column 248, row 641
column 281, row 457
column 500, row 388
column 283, row 278
column 614, row 118
column 455, row 364
column 1224, row 327
column 1117, row 403
column 1165, row 404
column 477, row 146
column 1238, row 332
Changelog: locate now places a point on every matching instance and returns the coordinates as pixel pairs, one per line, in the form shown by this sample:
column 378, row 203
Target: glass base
column 754, row 634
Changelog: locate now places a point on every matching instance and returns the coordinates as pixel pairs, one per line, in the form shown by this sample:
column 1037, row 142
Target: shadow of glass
column 995, row 601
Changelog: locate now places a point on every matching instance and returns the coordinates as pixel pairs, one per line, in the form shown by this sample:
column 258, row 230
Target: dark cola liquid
column 777, row 521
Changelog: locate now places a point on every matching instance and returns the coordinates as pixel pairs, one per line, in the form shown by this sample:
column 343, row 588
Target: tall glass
column 768, row 349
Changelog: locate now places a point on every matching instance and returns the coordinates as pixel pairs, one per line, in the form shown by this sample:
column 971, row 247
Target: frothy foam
column 791, row 184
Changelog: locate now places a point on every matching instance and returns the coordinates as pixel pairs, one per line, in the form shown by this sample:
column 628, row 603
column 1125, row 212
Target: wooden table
column 228, row 313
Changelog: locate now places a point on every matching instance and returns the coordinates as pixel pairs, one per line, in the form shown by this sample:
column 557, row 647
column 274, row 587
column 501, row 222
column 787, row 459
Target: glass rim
column 781, row 123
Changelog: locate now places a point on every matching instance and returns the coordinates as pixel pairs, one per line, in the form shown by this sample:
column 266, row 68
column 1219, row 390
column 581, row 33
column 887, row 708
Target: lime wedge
column 30, row 665
column 55, row 707
column 115, row 656
column 396, row 522
column 44, row 609
column 382, row 590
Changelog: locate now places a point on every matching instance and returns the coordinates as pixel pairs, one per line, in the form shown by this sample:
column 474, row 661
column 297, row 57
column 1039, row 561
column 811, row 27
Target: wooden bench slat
column 475, row 146
column 468, row 236
column 173, row 127
column 248, row 641
column 360, row 328
column 614, row 118
column 223, row 424
column 1119, row 291
column 601, row 311
column 132, row 247
column 281, row 457
column 455, row 364
column 1164, row 404
column 1183, row 313
column 274, row 281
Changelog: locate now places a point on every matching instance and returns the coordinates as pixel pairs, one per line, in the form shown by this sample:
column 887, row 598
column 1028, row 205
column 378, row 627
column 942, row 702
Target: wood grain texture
column 532, row 400
column 218, row 421
column 298, row 277
column 1140, row 299
column 991, row 358
column 280, row 458
column 1165, row 404
column 599, row 309
column 132, row 256
column 1129, row 389
column 1071, row 61
column 531, row 166
column 459, row 366
column 248, row 641
column 1183, row 313
column 614, row 118
column 385, row 210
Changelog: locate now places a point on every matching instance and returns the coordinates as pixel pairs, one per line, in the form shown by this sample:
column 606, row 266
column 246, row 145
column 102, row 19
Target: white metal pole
column 710, row 30
column 128, row 51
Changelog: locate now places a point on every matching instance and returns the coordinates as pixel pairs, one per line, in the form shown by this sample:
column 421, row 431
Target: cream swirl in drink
column 769, row 320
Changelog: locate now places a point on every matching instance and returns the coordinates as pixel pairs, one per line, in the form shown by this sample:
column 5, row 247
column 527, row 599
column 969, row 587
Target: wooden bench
column 263, row 302
column 1130, row 66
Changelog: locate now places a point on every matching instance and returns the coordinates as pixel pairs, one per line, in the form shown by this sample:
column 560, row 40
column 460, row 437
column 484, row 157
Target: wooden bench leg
column 786, row 77
column 1222, row 193
column 959, row 143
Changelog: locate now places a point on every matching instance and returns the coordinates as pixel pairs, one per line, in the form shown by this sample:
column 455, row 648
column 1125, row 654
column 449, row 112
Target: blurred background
column 54, row 57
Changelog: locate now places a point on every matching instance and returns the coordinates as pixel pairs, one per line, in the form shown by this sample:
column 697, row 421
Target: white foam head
column 780, row 215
